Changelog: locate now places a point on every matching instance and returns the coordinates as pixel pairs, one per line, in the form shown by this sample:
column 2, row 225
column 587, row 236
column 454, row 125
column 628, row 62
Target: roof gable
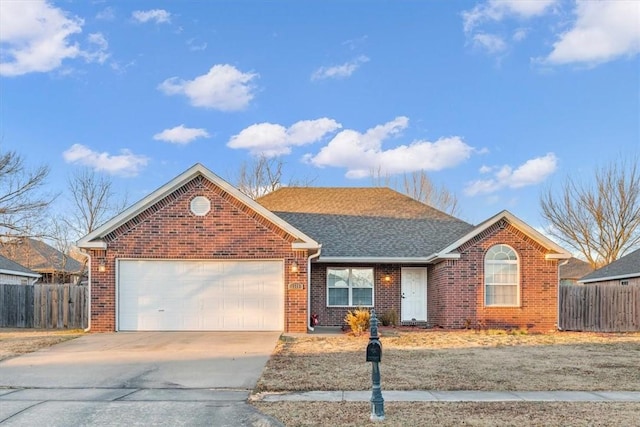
column 622, row 268
column 450, row 250
column 95, row 239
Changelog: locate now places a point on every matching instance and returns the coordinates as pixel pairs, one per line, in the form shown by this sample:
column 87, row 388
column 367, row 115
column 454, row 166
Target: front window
column 350, row 287
column 502, row 287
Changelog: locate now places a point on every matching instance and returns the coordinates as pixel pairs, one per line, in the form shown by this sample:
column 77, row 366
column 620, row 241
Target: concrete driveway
column 138, row 378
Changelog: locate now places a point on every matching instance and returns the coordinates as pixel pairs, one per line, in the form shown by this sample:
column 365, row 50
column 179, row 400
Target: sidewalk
column 455, row 396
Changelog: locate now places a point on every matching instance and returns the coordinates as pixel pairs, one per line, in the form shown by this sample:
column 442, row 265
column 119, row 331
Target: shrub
column 389, row 318
column 358, row 320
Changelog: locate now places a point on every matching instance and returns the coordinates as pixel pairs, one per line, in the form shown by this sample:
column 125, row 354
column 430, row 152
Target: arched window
column 501, row 278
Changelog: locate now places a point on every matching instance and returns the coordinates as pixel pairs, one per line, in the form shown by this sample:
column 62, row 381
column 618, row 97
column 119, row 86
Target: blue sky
column 494, row 99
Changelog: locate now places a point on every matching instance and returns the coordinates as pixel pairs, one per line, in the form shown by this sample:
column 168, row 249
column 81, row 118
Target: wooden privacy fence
column 43, row 306
column 599, row 308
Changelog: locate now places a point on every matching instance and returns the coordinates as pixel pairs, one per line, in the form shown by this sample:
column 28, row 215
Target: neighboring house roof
column 39, row 256
column 623, row 268
column 368, row 224
column 574, row 269
column 14, row 269
column 95, row 238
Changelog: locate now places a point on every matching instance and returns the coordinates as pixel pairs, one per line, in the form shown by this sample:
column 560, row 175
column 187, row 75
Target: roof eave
column 557, row 256
column 373, row 260
column 304, row 245
column 443, row 256
column 100, row 244
column 608, row 278
column 20, row 273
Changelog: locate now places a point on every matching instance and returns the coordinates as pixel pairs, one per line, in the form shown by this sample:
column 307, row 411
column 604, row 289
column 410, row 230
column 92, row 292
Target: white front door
column 414, row 294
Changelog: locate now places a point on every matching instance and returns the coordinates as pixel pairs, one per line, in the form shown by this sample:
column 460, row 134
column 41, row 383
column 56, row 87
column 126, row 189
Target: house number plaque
column 296, row 286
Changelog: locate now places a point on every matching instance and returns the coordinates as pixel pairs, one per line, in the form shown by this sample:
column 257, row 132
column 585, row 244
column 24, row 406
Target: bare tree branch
column 419, row 186
column 93, row 201
column 21, row 203
column 263, row 176
column 600, row 219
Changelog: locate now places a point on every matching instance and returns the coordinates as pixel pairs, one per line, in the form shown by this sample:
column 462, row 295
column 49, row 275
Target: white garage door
column 162, row 295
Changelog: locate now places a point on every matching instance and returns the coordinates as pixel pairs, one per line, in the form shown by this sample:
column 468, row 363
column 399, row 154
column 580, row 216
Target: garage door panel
column 200, row 295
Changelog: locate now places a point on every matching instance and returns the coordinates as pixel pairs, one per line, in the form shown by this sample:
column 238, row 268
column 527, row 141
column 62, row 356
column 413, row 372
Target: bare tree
column 22, row 203
column 93, row 201
column 419, row 186
column 263, row 176
column 601, row 218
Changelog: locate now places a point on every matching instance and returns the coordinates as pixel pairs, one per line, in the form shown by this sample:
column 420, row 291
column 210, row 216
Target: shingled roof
column 626, row 267
column 574, row 268
column 39, row 256
column 10, row 267
column 372, row 222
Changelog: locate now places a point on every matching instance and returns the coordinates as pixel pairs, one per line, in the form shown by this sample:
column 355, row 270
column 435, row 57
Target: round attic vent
column 200, row 206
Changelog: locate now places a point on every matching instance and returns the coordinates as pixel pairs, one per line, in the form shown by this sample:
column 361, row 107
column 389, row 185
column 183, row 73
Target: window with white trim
column 350, row 287
column 501, row 277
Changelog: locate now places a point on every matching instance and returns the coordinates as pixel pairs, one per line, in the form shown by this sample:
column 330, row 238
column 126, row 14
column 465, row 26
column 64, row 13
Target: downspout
column 558, row 296
column 316, row 255
column 88, row 290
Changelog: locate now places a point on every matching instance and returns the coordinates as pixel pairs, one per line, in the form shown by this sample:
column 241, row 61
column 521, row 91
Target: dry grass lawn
column 564, row 414
column 436, row 360
column 14, row 342
column 460, row 360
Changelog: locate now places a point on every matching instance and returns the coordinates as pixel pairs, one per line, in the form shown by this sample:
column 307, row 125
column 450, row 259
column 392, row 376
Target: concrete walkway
column 455, row 396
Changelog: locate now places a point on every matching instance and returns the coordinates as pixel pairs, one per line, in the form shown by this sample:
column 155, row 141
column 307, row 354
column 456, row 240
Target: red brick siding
column 169, row 230
column 456, row 288
column 386, row 294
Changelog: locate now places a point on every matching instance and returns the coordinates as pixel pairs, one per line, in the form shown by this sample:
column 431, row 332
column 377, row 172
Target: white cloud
column 520, row 34
column 99, row 53
column 181, row 135
column 124, row 164
column 159, row 16
column 106, row 14
column 352, row 44
column 489, row 42
column 272, row 140
column 599, row 31
column 603, row 31
column 223, row 88
column 195, row 47
column 531, row 172
column 339, row 71
column 496, row 10
column 34, row 37
column 362, row 153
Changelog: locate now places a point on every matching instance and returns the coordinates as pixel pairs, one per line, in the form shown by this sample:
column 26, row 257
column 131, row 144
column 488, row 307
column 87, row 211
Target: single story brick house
column 197, row 254
column 623, row 271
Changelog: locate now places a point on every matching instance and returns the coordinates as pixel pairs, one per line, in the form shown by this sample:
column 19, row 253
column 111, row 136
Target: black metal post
column 377, row 401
